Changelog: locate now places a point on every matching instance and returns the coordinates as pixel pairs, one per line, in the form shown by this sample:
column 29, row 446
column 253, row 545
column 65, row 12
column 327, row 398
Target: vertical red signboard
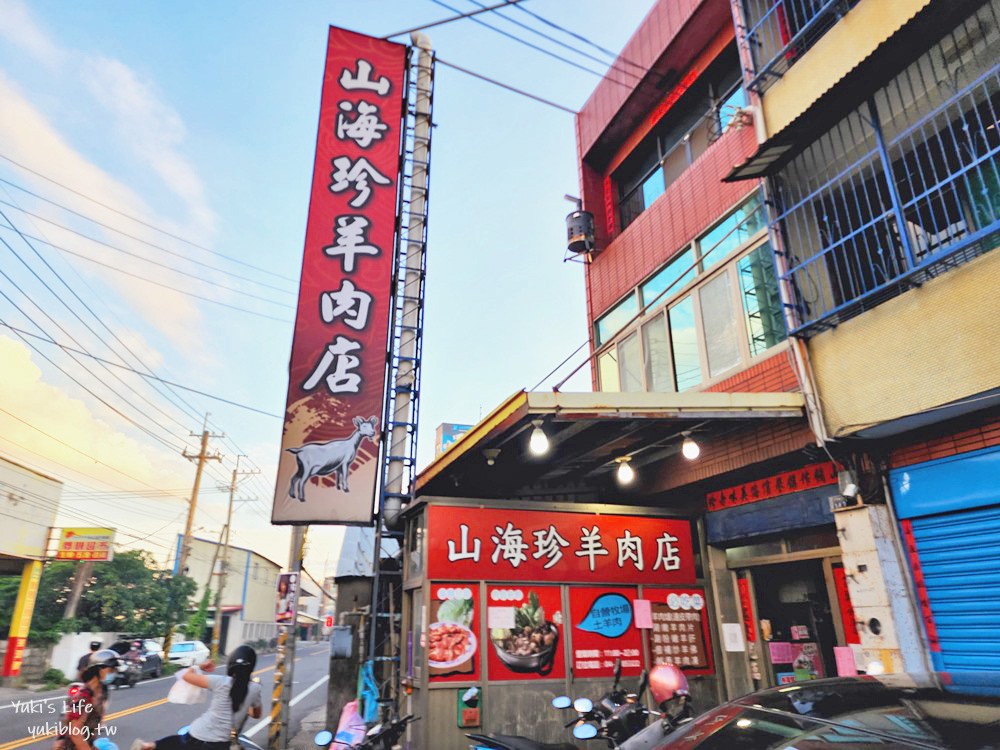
column 328, row 468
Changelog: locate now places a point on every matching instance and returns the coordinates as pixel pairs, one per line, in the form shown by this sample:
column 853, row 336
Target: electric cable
column 170, row 383
column 612, row 65
column 459, row 17
column 144, row 223
column 137, row 256
column 505, row 86
column 526, row 43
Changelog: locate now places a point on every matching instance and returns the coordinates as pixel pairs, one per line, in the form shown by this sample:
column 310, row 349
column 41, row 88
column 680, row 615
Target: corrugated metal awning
column 587, row 432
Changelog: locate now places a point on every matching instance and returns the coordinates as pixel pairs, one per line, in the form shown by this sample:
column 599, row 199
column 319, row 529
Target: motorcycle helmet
column 667, row 681
column 243, row 657
column 95, row 645
column 103, row 659
column 137, row 645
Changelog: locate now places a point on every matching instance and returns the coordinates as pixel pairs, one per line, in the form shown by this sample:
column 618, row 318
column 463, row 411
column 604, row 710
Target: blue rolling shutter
column 960, row 559
column 950, row 514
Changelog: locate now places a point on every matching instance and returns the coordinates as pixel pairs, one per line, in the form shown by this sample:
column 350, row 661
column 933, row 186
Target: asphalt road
column 143, row 711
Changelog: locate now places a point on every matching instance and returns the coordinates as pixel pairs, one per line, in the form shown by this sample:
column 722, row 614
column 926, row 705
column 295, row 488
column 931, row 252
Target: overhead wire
column 564, row 45
column 147, row 376
column 502, row 85
column 138, row 257
column 524, row 42
column 459, row 17
column 146, row 224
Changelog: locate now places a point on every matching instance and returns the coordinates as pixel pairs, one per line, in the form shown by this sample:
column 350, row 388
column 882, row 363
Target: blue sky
column 199, row 120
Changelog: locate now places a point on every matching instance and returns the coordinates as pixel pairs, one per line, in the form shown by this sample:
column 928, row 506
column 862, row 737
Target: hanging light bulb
column 689, row 447
column 538, row 443
column 625, row 473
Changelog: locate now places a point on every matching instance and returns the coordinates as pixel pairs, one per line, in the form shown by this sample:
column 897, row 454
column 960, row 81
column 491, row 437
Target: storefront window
column 619, row 316
column 607, row 365
column 733, row 231
column 761, row 300
column 684, row 345
column 630, row 355
column 673, row 277
column 719, row 319
column 657, row 348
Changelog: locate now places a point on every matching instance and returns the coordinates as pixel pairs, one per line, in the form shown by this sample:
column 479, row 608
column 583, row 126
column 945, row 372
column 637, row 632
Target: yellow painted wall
column 927, row 347
column 866, row 26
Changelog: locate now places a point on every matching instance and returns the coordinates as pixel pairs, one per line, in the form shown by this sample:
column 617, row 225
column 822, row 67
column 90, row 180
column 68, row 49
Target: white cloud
column 151, row 128
column 18, row 28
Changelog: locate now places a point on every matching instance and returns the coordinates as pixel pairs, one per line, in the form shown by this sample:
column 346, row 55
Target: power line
column 155, row 378
column 167, row 286
column 564, row 45
column 504, row 86
column 525, row 42
column 143, row 258
column 581, row 38
column 75, row 314
column 74, row 379
column 459, row 17
column 144, row 223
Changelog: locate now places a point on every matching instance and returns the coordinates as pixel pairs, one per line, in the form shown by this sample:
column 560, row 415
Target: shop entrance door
column 798, row 618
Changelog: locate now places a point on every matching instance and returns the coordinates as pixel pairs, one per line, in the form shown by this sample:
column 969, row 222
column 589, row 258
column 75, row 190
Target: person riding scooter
column 79, row 729
column 84, row 660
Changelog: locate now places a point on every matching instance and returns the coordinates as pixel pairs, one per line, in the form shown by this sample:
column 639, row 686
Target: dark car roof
column 899, row 711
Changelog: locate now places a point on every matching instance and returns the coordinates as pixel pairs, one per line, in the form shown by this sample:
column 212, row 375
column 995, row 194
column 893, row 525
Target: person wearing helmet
column 81, row 725
column 84, row 660
column 233, row 699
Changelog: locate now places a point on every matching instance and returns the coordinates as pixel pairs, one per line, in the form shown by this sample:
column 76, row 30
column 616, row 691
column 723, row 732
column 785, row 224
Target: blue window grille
column 904, row 188
column 779, row 32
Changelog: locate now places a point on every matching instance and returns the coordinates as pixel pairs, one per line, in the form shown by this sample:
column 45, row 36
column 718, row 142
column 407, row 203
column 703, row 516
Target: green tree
column 128, row 594
column 196, row 625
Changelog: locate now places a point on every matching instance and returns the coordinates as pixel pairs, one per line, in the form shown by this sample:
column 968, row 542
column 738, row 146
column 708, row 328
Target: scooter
column 384, row 735
column 128, row 673
column 616, row 716
column 241, row 739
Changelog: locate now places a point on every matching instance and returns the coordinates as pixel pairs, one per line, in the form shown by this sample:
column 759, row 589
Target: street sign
column 86, row 543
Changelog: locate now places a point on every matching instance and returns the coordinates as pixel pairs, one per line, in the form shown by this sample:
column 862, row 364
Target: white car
column 186, row 653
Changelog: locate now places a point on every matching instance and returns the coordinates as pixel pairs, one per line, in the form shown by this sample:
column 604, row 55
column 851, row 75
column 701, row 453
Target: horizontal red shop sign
column 806, row 478
column 527, row 545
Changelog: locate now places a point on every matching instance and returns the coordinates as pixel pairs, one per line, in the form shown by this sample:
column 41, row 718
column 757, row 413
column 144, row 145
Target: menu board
column 452, row 647
column 680, row 633
column 604, row 630
column 525, row 626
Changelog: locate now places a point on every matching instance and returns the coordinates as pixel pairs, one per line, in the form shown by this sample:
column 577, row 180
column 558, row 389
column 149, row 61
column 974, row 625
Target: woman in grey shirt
column 233, row 698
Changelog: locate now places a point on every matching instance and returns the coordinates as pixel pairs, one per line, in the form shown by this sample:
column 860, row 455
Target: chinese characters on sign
column 806, row 478
column 603, row 631
column 479, row 543
column 328, row 468
column 94, row 544
column 680, row 630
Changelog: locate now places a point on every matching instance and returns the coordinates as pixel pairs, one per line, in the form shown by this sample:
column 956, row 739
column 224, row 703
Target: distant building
column 248, row 600
column 446, row 434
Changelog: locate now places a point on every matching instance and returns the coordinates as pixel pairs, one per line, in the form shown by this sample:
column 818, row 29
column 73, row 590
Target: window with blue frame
column 902, row 189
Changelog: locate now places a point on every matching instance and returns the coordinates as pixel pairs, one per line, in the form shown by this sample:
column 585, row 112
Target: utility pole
column 80, row 577
column 217, row 628
column 284, row 662
column 202, row 456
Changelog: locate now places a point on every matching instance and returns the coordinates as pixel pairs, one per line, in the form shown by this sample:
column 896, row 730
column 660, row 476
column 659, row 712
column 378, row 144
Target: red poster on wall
column 452, row 644
column 604, row 631
column 847, row 616
column 680, row 633
column 746, row 608
column 526, row 632
column 498, row 544
column 328, row 464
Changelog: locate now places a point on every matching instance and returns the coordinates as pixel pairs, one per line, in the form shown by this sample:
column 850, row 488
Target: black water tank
column 580, row 231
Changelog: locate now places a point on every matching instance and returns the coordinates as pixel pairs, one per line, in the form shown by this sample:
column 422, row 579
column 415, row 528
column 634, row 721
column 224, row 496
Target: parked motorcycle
column 618, row 719
column 382, row 736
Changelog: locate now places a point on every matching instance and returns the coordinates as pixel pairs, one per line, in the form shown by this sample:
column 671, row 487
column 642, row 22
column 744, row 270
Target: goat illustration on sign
column 332, row 457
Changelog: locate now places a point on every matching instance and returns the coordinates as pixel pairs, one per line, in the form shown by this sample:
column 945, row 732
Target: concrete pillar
column 878, row 584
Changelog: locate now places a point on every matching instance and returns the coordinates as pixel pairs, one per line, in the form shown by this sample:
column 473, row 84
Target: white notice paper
column 732, row 636
column 500, row 617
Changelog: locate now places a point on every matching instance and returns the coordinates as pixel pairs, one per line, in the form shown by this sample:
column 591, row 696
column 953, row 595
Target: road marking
column 14, row 744
column 124, row 712
column 260, row 725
